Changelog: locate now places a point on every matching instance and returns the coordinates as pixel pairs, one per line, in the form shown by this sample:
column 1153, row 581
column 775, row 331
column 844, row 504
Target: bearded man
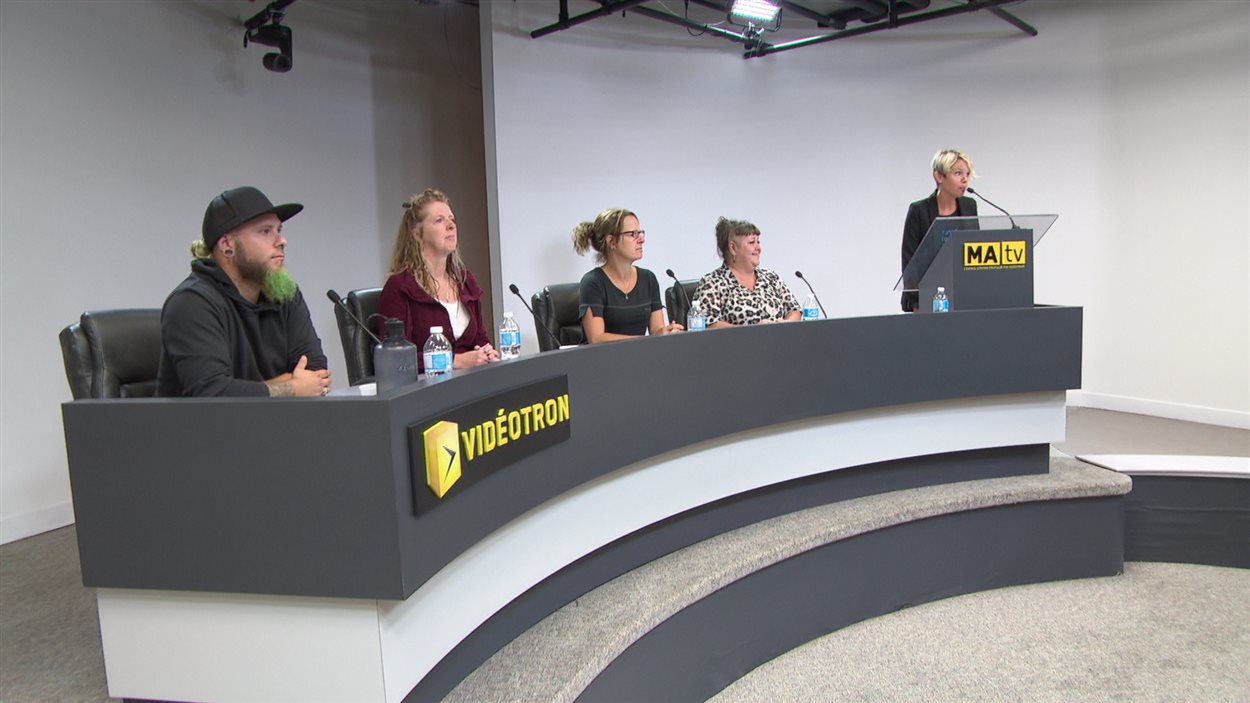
column 238, row 325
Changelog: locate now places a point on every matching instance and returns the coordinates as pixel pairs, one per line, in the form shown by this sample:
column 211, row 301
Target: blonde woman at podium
column 740, row 292
column 952, row 172
column 618, row 300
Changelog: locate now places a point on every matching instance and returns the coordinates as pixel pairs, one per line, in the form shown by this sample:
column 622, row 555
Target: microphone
column 681, row 288
column 338, row 303
column 817, row 297
column 538, row 323
column 1008, row 214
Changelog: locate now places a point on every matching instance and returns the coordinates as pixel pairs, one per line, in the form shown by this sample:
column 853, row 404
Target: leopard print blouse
column 723, row 298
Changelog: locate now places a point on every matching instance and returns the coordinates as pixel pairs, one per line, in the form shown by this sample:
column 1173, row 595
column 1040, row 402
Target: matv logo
column 1009, row 254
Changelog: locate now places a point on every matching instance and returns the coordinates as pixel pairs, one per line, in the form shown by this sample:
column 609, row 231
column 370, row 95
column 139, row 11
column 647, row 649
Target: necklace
column 633, row 273
column 451, row 296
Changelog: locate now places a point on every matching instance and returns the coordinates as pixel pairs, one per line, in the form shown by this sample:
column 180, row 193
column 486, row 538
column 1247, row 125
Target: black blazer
column 920, row 216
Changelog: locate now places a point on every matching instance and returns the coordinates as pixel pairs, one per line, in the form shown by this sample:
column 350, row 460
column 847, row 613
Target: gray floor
column 49, row 631
column 1159, row 632
column 1122, row 638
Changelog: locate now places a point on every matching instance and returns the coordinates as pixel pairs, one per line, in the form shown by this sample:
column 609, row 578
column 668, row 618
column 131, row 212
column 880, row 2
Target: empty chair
column 555, row 308
column 113, row 353
column 357, row 344
column 678, row 303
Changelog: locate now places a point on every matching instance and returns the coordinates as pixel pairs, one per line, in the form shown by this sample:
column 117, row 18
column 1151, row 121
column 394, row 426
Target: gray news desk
column 249, row 549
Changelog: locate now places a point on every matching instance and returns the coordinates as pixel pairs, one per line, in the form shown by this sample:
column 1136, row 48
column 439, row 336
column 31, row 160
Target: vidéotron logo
column 442, row 456
column 453, row 450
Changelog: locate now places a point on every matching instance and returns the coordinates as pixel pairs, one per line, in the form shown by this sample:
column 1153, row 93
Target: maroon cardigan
column 404, row 299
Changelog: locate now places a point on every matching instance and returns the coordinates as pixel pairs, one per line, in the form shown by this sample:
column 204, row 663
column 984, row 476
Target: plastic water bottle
column 437, row 353
column 695, row 319
column 395, row 359
column 509, row 337
column 811, row 308
column 940, row 302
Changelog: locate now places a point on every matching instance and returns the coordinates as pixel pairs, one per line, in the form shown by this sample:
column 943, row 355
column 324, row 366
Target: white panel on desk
column 224, row 647
column 1172, row 465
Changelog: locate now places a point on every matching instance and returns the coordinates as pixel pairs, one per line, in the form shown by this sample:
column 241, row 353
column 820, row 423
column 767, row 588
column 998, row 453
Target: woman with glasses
column 740, row 292
column 618, row 300
column 430, row 286
column 952, row 171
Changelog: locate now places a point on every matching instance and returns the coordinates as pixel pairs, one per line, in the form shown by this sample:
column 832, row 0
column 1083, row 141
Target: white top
column 1172, row 465
column 459, row 315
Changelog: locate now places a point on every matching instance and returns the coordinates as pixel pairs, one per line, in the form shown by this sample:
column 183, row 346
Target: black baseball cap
column 236, row 206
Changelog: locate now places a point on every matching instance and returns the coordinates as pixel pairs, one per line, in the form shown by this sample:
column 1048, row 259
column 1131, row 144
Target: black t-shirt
column 622, row 313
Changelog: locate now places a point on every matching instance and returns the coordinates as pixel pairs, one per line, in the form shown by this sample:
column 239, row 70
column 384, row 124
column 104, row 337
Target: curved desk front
column 260, row 549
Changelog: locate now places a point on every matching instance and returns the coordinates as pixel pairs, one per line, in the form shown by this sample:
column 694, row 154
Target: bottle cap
column 506, row 315
column 437, row 329
column 394, row 328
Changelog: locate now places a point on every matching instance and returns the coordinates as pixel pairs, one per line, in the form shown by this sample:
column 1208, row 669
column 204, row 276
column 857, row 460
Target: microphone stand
column 338, row 303
column 987, row 201
column 542, row 326
column 681, row 288
column 813, row 292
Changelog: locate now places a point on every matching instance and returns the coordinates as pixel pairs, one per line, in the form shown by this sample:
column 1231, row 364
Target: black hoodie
column 214, row 342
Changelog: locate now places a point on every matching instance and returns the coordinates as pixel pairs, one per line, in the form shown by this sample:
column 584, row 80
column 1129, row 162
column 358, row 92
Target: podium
column 982, row 262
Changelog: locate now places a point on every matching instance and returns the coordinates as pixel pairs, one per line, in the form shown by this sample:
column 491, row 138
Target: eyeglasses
column 634, row 233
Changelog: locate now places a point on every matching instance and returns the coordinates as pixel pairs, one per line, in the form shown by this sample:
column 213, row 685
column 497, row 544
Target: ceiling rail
column 755, row 47
column 565, row 21
column 973, row 6
column 683, row 22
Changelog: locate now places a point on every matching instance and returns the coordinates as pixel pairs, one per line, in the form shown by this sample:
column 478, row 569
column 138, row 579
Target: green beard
column 279, row 286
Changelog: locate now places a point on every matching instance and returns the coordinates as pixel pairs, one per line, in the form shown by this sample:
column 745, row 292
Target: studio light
column 266, row 28
column 758, row 14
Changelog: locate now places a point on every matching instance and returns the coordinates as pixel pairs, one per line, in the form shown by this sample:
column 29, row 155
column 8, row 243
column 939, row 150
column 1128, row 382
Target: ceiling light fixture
column 755, row 13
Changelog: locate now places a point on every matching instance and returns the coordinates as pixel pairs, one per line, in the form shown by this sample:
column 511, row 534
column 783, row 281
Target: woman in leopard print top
column 740, row 292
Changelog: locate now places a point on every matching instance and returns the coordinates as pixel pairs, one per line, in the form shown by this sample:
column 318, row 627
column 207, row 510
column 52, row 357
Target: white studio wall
column 119, row 121
column 824, row 147
column 1174, row 323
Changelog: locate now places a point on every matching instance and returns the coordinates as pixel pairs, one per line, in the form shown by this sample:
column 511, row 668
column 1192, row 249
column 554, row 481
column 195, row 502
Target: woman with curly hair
column 429, row 285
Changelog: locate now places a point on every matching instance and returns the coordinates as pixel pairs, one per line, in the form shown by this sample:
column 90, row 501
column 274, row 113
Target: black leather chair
column 555, row 308
column 113, row 353
column 678, row 304
column 358, row 346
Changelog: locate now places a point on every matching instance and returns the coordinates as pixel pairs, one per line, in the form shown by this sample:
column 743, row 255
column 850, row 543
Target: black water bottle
column 395, row 359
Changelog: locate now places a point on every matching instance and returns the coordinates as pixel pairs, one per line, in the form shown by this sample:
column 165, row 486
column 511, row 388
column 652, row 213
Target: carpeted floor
column 49, row 630
column 1160, row 632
